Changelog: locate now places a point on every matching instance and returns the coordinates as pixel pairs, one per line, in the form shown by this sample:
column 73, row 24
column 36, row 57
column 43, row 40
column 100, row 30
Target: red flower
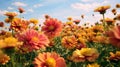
column 52, row 27
column 114, row 36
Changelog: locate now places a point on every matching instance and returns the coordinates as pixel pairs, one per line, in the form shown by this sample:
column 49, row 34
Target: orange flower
column 69, row 42
column 10, row 14
column 3, row 58
column 4, row 34
column 49, row 60
column 117, row 17
column 114, row 36
column 21, row 10
column 76, row 21
column 102, row 9
column 1, row 24
column 52, row 27
column 47, row 16
column 19, row 24
column 7, row 20
column 114, row 11
column 97, row 28
column 100, row 39
column 82, row 16
column 117, row 5
column 115, row 56
column 109, row 21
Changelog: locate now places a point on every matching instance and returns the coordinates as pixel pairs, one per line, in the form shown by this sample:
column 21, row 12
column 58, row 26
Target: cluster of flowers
column 26, row 36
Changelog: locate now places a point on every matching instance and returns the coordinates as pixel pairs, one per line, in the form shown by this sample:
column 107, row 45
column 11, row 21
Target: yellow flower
column 9, row 42
column 91, row 54
column 34, row 21
column 93, row 65
column 88, row 51
column 77, row 53
column 85, row 54
column 77, row 56
column 69, row 22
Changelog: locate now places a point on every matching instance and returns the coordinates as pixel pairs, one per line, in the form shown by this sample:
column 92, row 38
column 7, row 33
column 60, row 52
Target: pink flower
column 52, row 27
column 114, row 36
column 32, row 40
column 49, row 60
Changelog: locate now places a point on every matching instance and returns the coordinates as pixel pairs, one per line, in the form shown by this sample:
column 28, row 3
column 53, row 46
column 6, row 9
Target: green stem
column 12, row 33
column 12, row 60
column 104, row 23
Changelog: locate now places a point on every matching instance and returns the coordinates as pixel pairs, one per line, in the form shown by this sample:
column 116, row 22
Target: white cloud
column 2, row 12
column 37, row 5
column 86, row 7
column 49, row 2
column 105, row 2
column 19, row 4
column 41, row 20
column 10, row 8
column 86, row 0
column 30, row 10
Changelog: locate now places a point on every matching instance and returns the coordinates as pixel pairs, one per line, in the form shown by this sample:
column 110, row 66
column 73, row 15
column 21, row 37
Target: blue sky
column 60, row 9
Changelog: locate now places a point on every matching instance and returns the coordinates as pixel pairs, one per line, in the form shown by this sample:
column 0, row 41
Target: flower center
column 35, row 39
column 51, row 62
column 51, row 28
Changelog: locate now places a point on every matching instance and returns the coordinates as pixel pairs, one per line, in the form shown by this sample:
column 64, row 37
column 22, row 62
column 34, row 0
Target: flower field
column 26, row 43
